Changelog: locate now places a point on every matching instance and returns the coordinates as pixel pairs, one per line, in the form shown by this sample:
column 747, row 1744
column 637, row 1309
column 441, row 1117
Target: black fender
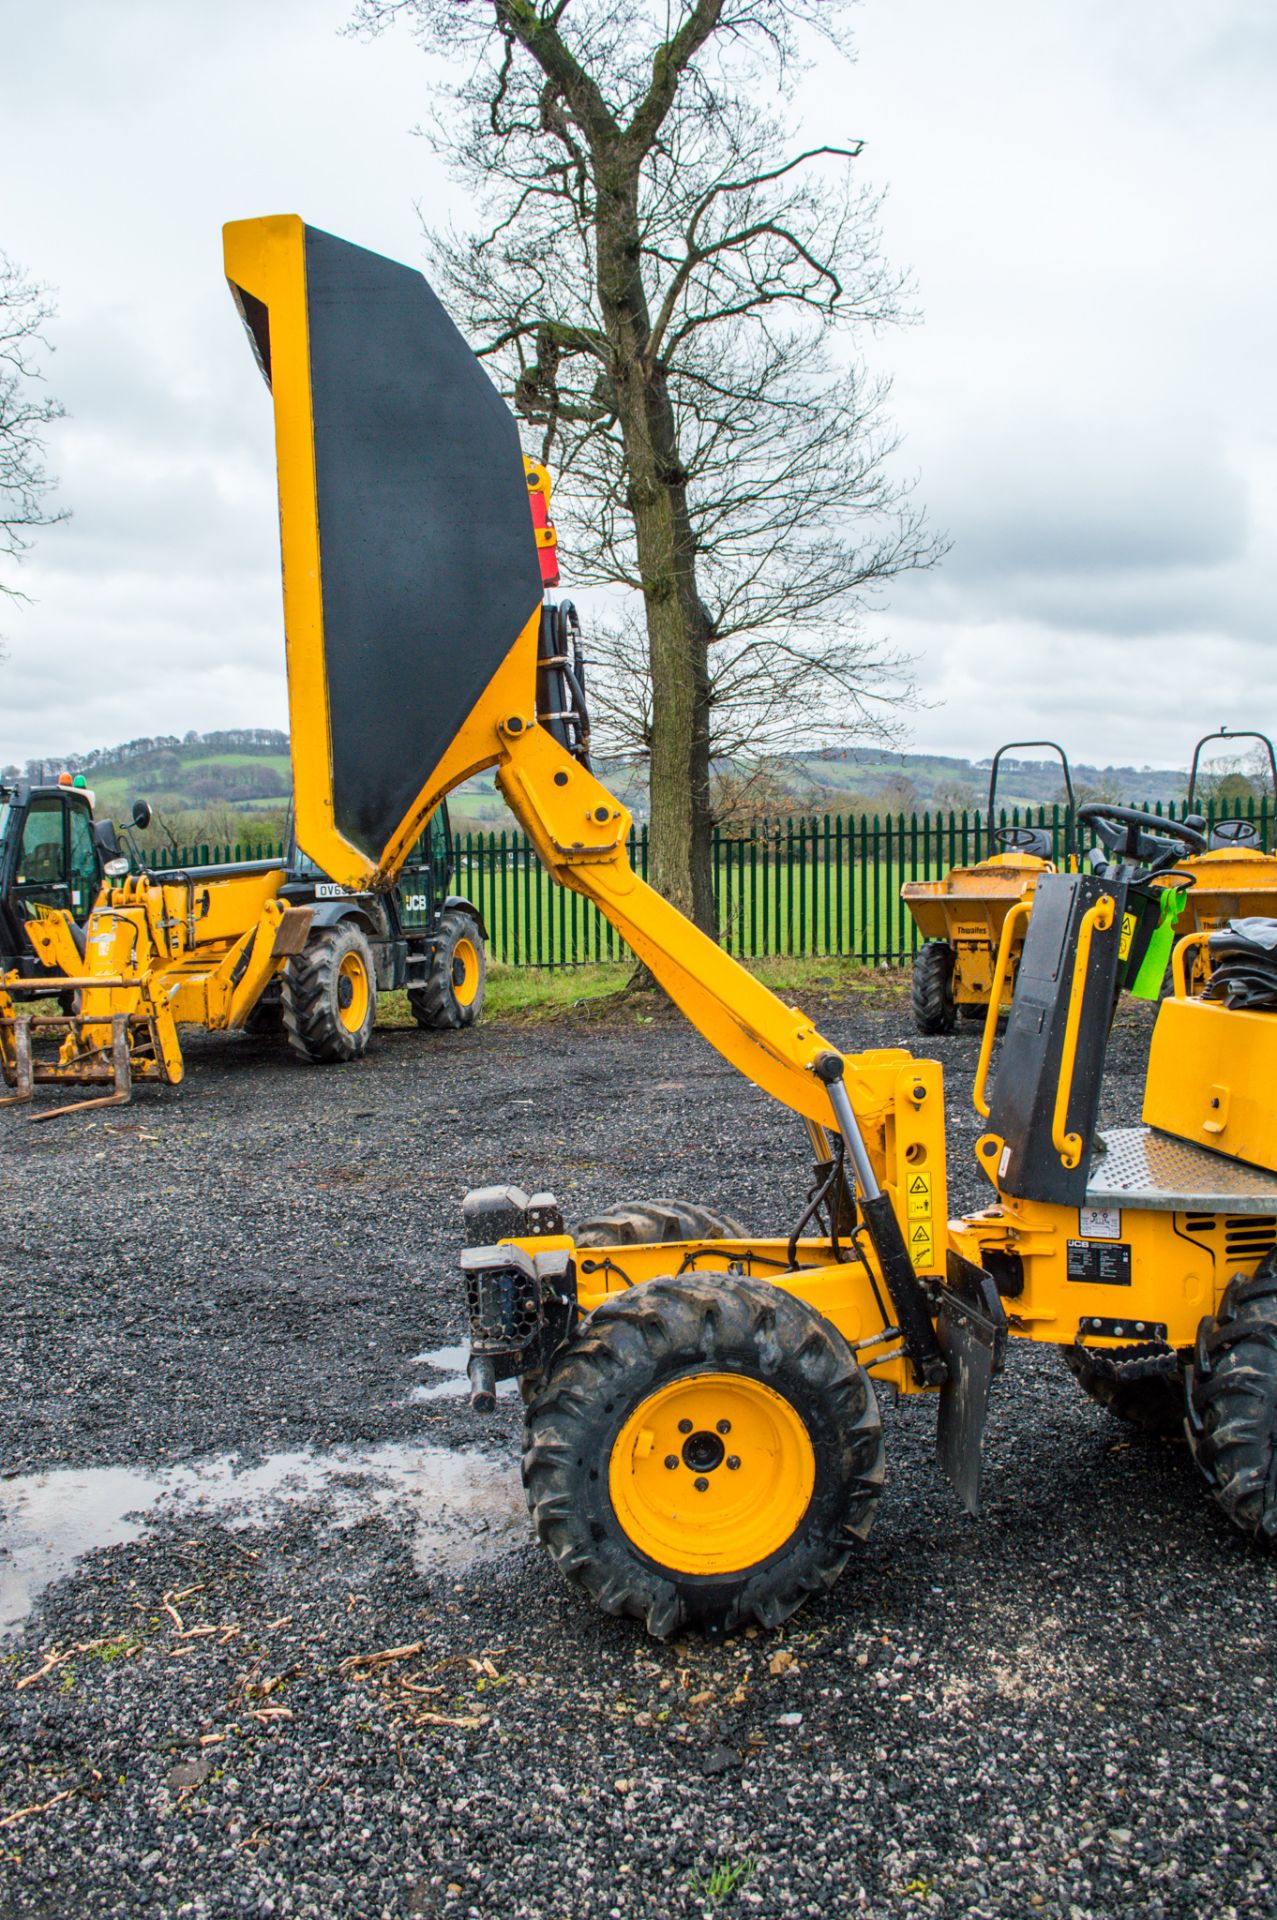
column 457, row 903
column 334, row 913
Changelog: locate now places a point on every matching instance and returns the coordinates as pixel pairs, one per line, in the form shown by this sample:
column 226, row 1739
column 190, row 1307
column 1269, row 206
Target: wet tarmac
column 462, row 1505
column 451, row 1363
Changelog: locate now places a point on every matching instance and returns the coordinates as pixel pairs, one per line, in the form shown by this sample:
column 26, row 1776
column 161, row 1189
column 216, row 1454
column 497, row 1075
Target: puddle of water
column 463, row 1506
column 452, row 1361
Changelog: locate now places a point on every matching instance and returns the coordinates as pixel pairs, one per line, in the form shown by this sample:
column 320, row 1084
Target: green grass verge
column 524, row 996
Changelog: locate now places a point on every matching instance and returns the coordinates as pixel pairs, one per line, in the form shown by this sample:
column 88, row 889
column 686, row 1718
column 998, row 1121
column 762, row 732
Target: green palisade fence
column 820, row 885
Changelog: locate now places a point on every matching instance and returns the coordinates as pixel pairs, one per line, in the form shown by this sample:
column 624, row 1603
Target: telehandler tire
column 644, row 1222
column 1232, row 1401
column 704, row 1453
column 931, row 988
column 1146, row 1389
column 329, row 995
column 452, row 997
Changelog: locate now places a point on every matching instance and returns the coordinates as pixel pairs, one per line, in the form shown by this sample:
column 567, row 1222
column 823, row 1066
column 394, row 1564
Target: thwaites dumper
column 1233, row 877
column 973, row 919
column 253, row 944
column 962, row 915
column 702, row 1441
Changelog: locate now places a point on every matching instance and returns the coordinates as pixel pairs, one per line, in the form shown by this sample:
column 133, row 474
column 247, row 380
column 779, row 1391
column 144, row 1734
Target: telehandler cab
column 51, row 853
column 702, row 1443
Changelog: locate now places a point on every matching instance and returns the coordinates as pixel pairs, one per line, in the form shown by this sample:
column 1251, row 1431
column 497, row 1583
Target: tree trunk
column 678, row 628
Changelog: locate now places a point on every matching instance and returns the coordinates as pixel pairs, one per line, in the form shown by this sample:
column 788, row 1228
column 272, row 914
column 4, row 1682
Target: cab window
column 84, row 863
column 440, row 850
column 42, row 860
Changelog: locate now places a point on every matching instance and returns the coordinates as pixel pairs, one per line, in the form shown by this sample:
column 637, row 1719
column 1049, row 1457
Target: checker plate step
column 1141, row 1168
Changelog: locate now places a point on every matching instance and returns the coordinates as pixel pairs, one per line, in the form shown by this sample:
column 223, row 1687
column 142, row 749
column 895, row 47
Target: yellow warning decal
column 918, row 1196
column 1128, row 934
column 921, row 1243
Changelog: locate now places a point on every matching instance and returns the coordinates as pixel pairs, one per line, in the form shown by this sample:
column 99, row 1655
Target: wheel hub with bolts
column 687, row 1502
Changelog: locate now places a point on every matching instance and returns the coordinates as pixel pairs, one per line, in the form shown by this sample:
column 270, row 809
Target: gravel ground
column 1063, row 1708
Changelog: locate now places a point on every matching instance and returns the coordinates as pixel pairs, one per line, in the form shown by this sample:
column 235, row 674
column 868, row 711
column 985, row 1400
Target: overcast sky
column 1083, row 193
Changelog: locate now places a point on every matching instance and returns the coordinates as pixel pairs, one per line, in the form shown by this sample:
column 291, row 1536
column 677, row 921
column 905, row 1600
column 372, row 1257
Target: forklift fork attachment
column 972, row 1330
column 26, row 1072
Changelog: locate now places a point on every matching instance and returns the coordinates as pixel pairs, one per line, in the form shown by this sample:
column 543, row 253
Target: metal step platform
column 1141, row 1168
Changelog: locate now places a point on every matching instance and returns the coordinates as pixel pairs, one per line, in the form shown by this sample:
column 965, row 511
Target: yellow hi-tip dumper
column 702, row 1443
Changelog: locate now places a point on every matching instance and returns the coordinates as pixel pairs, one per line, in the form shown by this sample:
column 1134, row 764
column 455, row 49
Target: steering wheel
column 1143, row 839
column 1235, row 833
column 1019, row 839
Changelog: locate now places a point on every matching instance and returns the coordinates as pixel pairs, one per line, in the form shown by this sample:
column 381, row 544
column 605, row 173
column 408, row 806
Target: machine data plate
column 1140, row 1168
column 1107, row 1263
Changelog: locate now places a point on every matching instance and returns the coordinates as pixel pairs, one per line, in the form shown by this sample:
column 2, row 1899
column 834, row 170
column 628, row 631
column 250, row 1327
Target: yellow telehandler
column 703, row 1444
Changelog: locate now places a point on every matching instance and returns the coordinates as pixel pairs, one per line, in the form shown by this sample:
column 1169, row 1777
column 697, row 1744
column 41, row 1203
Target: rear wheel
column 1232, row 1397
column 931, row 990
column 329, row 995
column 703, row 1453
column 642, row 1222
column 452, row 997
column 1142, row 1386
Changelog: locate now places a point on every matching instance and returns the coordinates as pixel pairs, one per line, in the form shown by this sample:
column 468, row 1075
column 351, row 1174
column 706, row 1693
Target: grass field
column 530, row 996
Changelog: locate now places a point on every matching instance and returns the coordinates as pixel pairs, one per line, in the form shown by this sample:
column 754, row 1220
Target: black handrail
column 1070, row 821
column 1224, row 734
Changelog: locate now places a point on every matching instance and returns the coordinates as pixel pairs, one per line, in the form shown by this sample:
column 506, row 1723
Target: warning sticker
column 918, row 1196
column 921, row 1243
column 1128, row 934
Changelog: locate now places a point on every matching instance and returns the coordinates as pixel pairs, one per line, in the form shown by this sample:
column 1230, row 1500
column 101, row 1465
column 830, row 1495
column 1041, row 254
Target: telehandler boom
column 702, row 1441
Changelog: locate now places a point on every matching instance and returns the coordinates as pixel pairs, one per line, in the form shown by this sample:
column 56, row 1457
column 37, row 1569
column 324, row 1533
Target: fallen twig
column 41, row 1806
column 357, row 1662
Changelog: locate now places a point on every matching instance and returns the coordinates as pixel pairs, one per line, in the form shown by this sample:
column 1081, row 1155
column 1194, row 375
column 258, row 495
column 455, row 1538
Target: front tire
column 931, row 988
column 329, row 995
column 704, row 1453
column 1232, row 1398
column 452, row 997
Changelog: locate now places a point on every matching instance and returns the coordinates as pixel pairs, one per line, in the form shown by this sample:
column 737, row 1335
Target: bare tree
column 26, row 410
column 655, row 272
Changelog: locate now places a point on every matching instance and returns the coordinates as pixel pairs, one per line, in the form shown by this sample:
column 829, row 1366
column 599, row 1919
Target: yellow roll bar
column 1020, row 911
column 1069, row 1145
column 1179, row 970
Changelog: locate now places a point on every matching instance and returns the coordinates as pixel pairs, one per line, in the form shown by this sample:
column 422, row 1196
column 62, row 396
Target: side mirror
column 141, row 815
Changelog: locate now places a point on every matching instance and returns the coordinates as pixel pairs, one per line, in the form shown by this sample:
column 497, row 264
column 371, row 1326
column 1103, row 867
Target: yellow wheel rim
column 353, row 992
column 465, row 972
column 743, row 1468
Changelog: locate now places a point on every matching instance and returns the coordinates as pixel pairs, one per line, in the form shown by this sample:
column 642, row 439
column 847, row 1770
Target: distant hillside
column 244, row 774
column 938, row 780
column 245, row 769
